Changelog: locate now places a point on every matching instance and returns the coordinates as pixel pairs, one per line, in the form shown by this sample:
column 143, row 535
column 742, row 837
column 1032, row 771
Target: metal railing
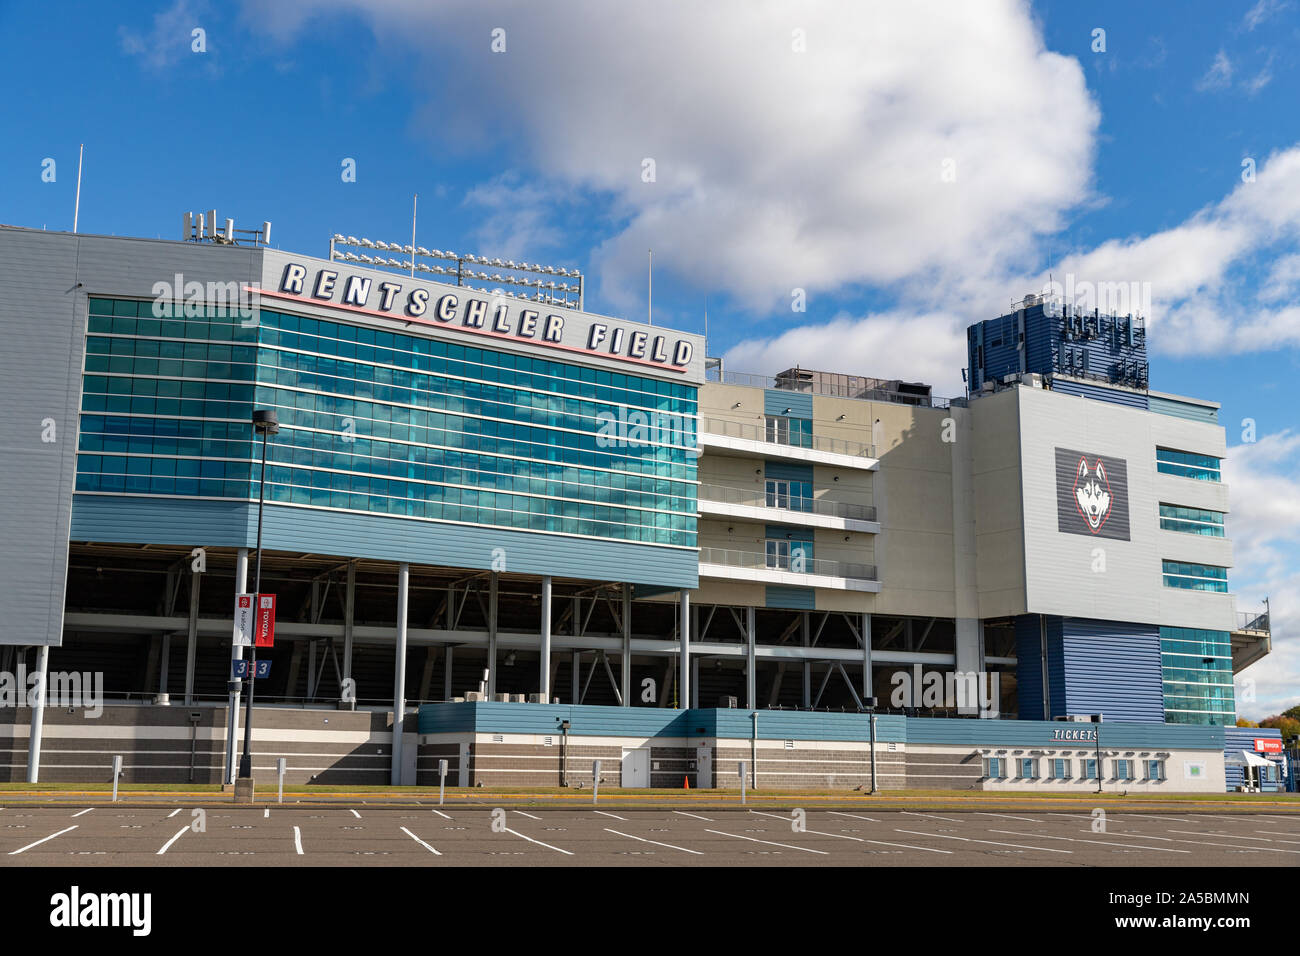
column 760, row 499
column 797, row 565
column 749, row 432
column 832, row 391
column 1256, row 621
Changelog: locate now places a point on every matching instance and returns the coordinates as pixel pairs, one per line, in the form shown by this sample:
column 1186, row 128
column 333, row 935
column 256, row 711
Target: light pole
column 265, row 424
column 871, row 716
column 1096, row 719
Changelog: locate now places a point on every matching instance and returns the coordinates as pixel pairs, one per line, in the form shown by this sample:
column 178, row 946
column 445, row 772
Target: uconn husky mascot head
column 1092, row 494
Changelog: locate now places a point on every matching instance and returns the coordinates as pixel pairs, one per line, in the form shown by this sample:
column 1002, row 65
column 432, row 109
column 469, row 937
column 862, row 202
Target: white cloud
column 171, row 37
column 1219, row 75
column 1261, row 11
column 775, row 169
column 926, row 347
column 517, row 218
column 1264, row 478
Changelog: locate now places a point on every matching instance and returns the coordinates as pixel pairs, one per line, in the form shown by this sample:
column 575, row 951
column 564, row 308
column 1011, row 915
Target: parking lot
column 460, row 836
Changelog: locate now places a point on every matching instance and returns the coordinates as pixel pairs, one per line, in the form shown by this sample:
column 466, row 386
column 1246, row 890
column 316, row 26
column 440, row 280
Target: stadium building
column 541, row 537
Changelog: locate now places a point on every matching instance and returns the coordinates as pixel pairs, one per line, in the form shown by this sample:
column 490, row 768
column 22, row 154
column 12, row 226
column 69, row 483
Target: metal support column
column 448, row 660
column 576, row 672
column 868, row 685
column 807, row 664
column 625, row 662
column 544, row 665
column 493, row 581
column 38, row 714
column 751, row 679
column 236, row 654
column 399, row 670
column 192, row 643
column 684, row 654
column 349, row 615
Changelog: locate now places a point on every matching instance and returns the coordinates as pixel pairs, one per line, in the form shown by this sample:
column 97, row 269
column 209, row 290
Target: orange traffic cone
column 686, row 782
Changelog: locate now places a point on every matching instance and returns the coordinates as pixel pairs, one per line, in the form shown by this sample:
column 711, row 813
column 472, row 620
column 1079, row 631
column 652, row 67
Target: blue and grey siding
column 1107, row 667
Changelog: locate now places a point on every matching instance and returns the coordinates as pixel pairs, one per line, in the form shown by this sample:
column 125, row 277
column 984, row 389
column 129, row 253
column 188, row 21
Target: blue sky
column 796, row 146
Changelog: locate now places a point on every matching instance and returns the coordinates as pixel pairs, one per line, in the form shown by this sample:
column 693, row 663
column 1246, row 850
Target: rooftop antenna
column 650, row 295
column 414, row 208
column 76, row 209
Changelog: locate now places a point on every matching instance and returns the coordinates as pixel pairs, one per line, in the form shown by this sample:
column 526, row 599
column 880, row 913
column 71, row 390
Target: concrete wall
column 320, row 746
column 1064, row 575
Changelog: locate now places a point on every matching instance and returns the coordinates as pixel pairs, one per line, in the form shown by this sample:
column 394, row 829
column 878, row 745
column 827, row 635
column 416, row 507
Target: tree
column 1243, row 722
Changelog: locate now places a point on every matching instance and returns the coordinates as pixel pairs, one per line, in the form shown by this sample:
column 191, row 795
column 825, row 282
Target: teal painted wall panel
column 382, row 537
column 776, row 401
column 1176, row 409
column 803, row 599
column 784, row 471
column 737, row 724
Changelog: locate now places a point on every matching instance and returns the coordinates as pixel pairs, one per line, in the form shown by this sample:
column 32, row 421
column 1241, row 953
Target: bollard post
column 595, row 781
column 442, row 780
column 117, row 772
column 742, row 782
column 280, row 765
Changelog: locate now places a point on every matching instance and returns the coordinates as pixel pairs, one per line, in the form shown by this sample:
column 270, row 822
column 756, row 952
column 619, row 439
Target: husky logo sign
column 1092, row 494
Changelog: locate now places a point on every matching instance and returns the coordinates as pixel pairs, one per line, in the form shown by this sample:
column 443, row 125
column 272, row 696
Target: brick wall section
column 808, row 769
column 931, row 771
column 155, row 745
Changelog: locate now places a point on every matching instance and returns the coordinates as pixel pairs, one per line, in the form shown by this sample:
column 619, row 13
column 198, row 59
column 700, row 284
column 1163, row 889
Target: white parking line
column 297, row 840
column 931, row 816
column 82, row 813
column 1147, row 816
column 1007, row 816
column 1233, row 836
column 614, row 815
column 1223, row 836
column 1256, row 816
column 421, row 842
column 787, row 846
column 1131, row 846
column 266, row 813
column 856, row 816
column 905, row 846
column 357, row 815
column 441, row 814
column 167, row 846
column 655, row 842
column 538, row 842
column 46, row 840
column 946, row 836
column 528, row 815
column 685, row 814
column 1279, row 833
column 173, row 813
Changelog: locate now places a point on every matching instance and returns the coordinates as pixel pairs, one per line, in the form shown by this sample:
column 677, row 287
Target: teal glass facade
column 380, row 422
column 1186, row 464
column 1194, row 577
column 1191, row 520
column 1196, row 667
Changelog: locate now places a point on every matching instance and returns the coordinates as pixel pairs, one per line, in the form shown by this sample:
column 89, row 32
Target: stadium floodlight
column 460, row 269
